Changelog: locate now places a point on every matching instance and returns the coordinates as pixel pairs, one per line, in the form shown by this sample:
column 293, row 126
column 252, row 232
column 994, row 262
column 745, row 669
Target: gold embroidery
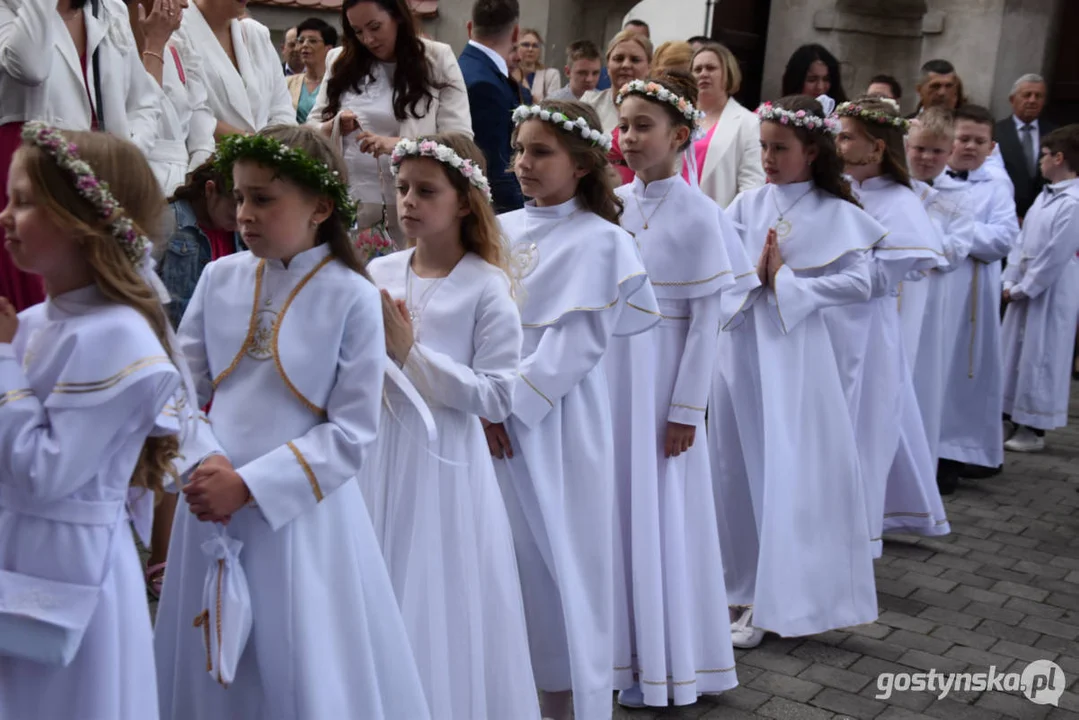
column 14, row 395
column 252, row 326
column 73, row 388
column 641, row 309
column 691, row 282
column 261, row 346
column 307, row 471
column 277, row 335
column 220, row 572
column 611, row 304
column 916, row 247
column 687, row 407
column 529, row 383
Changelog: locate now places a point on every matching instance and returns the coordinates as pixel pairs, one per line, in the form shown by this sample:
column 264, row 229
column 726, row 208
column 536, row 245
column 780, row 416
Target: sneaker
column 632, row 697
column 1024, row 440
column 743, row 634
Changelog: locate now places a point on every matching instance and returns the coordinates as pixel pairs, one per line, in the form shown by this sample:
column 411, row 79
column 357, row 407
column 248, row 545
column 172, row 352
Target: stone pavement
column 1002, row 590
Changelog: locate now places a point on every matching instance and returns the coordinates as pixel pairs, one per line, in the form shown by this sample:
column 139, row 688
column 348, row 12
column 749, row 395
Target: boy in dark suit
column 1019, row 138
column 492, row 96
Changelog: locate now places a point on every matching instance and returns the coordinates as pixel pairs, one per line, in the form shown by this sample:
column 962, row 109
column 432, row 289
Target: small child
column 972, row 436
column 1041, row 289
column 84, row 382
column 671, row 642
column 439, row 515
column 288, row 341
column 582, row 281
column 929, row 145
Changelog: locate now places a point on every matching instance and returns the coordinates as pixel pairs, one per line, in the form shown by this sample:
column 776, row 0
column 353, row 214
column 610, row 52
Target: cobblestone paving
column 1002, row 590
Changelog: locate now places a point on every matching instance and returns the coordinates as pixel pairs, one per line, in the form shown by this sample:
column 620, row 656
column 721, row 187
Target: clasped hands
column 369, row 142
column 770, row 260
column 216, row 490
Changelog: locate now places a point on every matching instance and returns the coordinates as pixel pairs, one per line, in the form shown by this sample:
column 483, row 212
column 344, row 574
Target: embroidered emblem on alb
column 580, row 126
column 524, row 259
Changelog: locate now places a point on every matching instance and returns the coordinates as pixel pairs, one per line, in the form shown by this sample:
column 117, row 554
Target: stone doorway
column 742, row 25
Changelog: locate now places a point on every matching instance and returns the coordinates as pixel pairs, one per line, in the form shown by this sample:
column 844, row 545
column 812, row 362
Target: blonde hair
column 673, row 55
column 130, row 179
column 731, row 71
column 533, row 31
column 480, row 232
column 630, row 36
column 936, row 122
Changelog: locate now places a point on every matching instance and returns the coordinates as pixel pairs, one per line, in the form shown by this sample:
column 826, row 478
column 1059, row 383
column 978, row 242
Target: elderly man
column 291, row 61
column 1018, row 138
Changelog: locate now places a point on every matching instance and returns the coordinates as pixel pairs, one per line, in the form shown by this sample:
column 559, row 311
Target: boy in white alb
column 972, row 438
column 1041, row 288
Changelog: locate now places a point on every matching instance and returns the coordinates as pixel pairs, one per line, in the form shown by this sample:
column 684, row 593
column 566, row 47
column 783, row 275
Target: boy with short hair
column 1041, row 289
column 584, row 62
column 929, row 145
column 972, row 436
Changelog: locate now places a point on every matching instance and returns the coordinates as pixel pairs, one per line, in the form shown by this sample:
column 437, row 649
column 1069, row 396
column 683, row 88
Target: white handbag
column 226, row 621
column 42, row 619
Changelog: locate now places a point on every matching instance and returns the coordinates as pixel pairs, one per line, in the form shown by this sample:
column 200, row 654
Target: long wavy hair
column 334, row 230
column 794, row 76
column 595, row 190
column 413, row 78
column 827, row 169
column 480, row 232
column 130, row 179
column 894, row 160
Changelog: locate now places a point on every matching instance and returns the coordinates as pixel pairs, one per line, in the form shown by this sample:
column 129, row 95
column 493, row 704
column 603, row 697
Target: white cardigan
column 250, row 98
column 41, row 76
column 733, row 162
column 449, row 111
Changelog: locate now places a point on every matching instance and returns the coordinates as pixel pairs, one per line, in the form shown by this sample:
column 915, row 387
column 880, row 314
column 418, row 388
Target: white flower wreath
column 657, row 91
column 580, row 125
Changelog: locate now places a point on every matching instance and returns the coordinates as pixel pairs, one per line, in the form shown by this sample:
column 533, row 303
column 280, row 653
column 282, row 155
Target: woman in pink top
column 729, row 155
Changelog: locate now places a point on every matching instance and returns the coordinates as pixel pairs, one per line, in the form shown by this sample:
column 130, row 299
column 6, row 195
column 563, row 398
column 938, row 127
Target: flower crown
column 292, row 163
column 580, row 125
column 879, row 117
column 66, row 155
column 799, row 118
column 657, row 91
column 446, row 155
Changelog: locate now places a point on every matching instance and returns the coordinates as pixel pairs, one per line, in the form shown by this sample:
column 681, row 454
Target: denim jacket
column 186, row 254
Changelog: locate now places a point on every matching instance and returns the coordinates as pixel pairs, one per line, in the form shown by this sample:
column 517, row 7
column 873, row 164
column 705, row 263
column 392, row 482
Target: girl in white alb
column 89, row 393
column 788, row 486
column 892, row 444
column 287, row 340
column 671, row 643
column 581, row 281
column 439, row 516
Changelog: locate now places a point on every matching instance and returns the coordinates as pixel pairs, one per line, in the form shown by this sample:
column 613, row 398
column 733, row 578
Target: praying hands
column 770, row 260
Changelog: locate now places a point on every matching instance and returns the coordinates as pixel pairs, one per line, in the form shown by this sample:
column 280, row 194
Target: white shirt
column 1035, row 134
column 498, row 60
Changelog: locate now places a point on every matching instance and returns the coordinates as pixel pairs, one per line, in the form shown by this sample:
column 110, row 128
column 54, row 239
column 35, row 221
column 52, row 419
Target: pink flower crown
column 799, row 118
column 66, row 155
column 446, row 155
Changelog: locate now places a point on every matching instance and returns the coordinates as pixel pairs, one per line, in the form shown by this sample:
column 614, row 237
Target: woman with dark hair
column 384, row 83
column 813, row 71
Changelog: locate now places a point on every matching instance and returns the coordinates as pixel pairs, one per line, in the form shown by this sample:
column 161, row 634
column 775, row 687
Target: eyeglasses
column 530, row 45
column 309, row 41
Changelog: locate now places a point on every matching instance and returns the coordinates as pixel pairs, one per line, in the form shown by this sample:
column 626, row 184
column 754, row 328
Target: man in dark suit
column 1019, row 138
column 938, row 86
column 492, row 97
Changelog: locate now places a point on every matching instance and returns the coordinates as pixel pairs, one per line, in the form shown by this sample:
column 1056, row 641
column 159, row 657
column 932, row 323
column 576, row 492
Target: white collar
column 498, row 60
column 1019, row 124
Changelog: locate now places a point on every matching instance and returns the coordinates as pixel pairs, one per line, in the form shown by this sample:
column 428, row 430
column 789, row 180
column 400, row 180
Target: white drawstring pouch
column 226, row 621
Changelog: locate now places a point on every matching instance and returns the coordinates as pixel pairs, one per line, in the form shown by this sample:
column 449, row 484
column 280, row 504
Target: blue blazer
column 492, row 100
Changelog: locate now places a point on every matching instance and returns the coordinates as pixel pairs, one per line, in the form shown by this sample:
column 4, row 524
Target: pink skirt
column 22, row 289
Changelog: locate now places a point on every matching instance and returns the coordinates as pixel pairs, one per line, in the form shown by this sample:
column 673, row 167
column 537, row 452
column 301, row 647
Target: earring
column 314, row 223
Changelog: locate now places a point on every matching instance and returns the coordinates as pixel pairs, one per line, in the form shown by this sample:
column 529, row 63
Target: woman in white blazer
column 48, row 72
column 385, row 83
column 186, row 135
column 729, row 156
column 234, row 59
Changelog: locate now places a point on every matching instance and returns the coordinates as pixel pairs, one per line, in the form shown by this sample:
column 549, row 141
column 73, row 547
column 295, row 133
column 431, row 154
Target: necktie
column 1027, row 138
column 957, row 175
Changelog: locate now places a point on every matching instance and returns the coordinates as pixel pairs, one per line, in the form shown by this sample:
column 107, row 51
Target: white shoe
column 743, row 633
column 632, row 697
column 1024, row 440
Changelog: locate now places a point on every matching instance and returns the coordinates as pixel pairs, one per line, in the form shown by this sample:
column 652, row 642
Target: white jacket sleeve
column 26, row 40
